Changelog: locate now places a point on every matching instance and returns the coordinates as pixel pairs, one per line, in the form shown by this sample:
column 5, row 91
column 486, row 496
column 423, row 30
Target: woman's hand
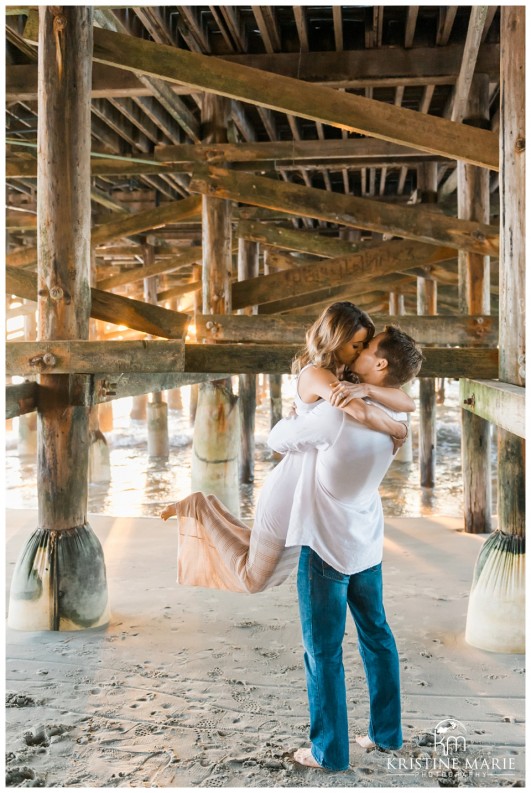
column 398, row 442
column 342, row 393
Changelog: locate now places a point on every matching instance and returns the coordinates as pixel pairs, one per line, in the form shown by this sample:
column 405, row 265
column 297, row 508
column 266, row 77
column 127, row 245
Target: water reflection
column 141, row 486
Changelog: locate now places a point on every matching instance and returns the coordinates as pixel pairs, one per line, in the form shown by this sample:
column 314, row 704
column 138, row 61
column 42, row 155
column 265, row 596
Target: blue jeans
column 324, row 595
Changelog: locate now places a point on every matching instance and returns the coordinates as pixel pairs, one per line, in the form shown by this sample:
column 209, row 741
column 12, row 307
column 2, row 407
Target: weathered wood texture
column 216, row 215
column 253, row 156
column 502, row 404
column 512, row 196
column 380, row 260
column 189, row 256
column 293, row 240
column 107, row 307
column 106, row 387
column 63, row 286
column 473, row 200
column 186, row 209
column 248, row 267
column 427, row 304
column 21, row 399
column 344, row 110
column 86, row 357
column 420, row 66
column 462, row 331
column 409, row 222
column 165, row 356
column 511, row 450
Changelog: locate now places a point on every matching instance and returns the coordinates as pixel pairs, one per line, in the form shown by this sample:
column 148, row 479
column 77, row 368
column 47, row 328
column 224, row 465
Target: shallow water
column 141, row 486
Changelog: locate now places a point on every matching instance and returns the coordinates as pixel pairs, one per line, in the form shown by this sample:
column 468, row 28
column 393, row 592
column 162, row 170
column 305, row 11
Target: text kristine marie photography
column 447, row 753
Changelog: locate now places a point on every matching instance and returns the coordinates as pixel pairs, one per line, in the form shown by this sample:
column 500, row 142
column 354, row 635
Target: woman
column 219, row 551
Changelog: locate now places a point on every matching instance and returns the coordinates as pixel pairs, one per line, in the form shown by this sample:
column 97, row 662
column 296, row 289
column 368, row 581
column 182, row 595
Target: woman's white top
column 336, row 507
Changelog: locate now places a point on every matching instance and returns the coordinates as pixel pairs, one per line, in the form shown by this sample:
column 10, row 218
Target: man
column 337, row 520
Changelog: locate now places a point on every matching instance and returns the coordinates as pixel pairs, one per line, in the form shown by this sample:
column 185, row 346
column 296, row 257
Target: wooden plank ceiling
column 146, row 136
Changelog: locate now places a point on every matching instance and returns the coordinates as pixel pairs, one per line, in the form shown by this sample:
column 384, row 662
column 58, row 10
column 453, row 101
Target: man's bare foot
column 168, row 512
column 305, row 757
column 365, row 742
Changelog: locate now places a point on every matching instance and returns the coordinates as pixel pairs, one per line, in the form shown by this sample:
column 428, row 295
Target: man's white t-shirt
column 336, row 508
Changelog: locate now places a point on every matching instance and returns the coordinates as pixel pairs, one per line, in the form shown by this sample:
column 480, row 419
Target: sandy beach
column 197, row 688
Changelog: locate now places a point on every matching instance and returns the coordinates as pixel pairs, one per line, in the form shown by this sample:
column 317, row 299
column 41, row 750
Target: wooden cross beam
column 380, row 260
column 414, row 223
column 115, row 358
column 318, row 103
column 502, row 404
column 174, row 212
column 98, row 388
column 183, row 157
column 190, row 255
column 464, row 331
column 351, row 68
column 293, row 240
column 296, row 97
column 107, row 307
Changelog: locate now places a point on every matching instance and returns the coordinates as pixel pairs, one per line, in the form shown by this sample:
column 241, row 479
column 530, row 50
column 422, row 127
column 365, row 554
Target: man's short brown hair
column 402, row 353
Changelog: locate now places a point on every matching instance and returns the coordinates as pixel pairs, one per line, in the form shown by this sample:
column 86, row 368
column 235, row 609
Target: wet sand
column 197, row 688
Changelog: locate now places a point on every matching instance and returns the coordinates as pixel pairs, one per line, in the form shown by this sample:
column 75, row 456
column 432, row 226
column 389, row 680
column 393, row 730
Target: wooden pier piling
column 60, row 581
column 473, row 198
column 216, row 435
column 496, row 609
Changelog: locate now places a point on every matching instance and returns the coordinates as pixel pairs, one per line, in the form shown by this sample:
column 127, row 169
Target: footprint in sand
column 41, row 736
column 23, row 777
column 250, row 624
column 14, row 700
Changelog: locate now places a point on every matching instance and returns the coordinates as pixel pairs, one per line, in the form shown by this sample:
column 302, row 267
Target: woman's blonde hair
column 335, row 327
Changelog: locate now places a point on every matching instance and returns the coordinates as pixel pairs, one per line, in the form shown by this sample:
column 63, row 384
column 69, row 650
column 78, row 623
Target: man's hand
column 343, row 393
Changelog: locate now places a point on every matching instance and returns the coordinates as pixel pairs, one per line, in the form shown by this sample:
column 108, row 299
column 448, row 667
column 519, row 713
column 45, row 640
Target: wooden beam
column 174, row 212
column 502, row 404
column 183, row 157
column 363, row 267
column 355, row 69
column 413, row 223
column 463, row 331
column 478, row 17
column 111, row 308
column 285, row 152
column 21, row 399
column 84, row 357
column 188, row 256
column 293, row 240
column 17, row 168
column 285, row 94
column 180, row 289
column 317, row 300
column 130, row 384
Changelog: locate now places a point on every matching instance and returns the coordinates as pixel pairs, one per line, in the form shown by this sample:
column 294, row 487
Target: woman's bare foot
column 305, row 757
column 365, row 742
column 168, row 512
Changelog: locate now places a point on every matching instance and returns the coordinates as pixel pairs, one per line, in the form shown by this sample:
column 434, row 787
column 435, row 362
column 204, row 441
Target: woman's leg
column 323, row 606
column 379, row 655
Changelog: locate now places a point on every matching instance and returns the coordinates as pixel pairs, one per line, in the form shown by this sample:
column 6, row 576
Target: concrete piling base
column 157, row 421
